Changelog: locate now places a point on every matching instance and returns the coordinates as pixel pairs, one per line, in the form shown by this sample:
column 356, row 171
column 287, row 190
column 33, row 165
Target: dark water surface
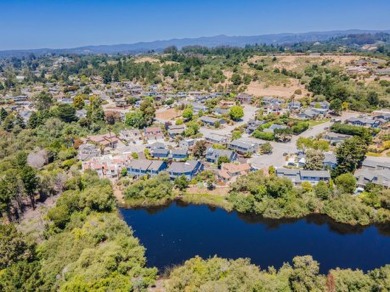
column 175, row 233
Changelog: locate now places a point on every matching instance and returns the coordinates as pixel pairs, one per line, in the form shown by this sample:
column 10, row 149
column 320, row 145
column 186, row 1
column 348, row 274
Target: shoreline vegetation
column 87, row 246
column 270, row 197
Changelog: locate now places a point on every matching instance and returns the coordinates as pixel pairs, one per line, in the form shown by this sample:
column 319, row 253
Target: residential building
column 294, row 105
column 175, row 130
column 364, row 122
column 87, row 151
column 274, row 127
column 210, row 121
column 131, row 136
column 212, row 155
column 187, row 143
column 335, row 138
column 253, row 125
column 376, row 163
column 179, row 154
column 244, row 98
column 141, row 167
column 297, row 176
column 197, row 107
column 230, row 171
column 330, row 160
column 153, row 134
column 216, row 138
column 189, row 169
column 378, row 177
column 243, row 146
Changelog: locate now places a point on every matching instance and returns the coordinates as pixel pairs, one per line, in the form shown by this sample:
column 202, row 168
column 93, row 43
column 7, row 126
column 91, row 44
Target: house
column 294, row 105
column 330, row 160
column 320, row 105
column 243, row 146
column 179, row 154
column 106, row 141
column 274, row 127
column 197, row 107
column 160, row 153
column 221, row 111
column 309, row 114
column 210, row 121
column 175, row 130
column 244, row 98
column 334, row 138
column 363, row 122
column 378, row 176
column 87, row 151
column 106, row 166
column 376, row 163
column 189, row 169
column 141, row 167
column 153, row 134
column 298, row 176
column 187, row 143
column 230, row 171
column 253, row 125
column 216, row 138
column 212, row 155
column 131, row 136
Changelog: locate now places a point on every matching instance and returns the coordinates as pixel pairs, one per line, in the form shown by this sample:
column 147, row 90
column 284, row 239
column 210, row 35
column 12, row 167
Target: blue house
column 141, row 167
column 179, row 154
column 189, row 169
column 160, row 153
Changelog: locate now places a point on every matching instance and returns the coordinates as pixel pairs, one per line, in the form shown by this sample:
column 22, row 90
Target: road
column 277, row 159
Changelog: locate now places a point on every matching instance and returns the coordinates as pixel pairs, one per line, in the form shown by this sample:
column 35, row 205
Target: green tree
column 188, row 113
column 78, row 101
column 236, row 112
column 336, row 105
column 346, row 183
column 314, row 160
column 66, row 113
column 43, row 101
column 199, row 149
column 266, row 148
column 33, row 121
column 181, row 182
column 350, row 154
column 236, row 79
column 135, row 119
column 30, row 182
column 148, row 111
column 3, row 115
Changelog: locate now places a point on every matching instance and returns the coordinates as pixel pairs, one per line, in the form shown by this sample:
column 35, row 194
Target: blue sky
column 72, row 23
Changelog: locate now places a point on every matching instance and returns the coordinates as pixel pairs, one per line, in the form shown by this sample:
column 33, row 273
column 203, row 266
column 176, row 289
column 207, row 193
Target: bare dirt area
column 147, row 59
column 168, row 114
column 32, row 223
column 261, row 89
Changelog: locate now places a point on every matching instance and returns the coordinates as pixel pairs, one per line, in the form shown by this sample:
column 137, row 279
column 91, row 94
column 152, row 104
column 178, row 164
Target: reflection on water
column 178, row 231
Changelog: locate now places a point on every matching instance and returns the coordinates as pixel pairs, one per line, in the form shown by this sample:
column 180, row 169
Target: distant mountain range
column 214, row 41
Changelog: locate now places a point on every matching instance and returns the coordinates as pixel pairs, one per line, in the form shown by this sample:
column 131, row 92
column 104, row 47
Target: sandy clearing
column 260, row 89
column 168, row 114
column 146, row 59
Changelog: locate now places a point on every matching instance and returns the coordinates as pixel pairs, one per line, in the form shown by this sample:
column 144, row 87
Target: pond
column 177, row 232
